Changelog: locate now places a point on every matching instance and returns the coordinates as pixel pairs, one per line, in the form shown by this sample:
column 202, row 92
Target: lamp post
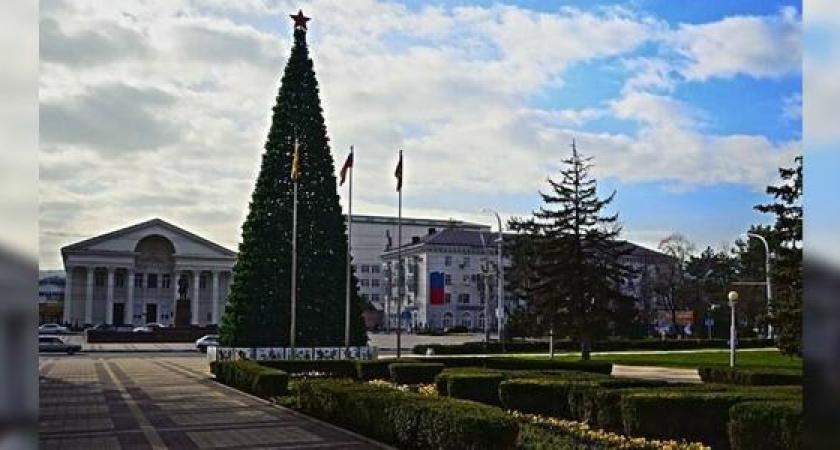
column 733, row 332
column 500, row 291
column 766, row 281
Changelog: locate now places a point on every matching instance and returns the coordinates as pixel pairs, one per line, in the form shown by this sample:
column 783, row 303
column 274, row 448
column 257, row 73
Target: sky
column 161, row 108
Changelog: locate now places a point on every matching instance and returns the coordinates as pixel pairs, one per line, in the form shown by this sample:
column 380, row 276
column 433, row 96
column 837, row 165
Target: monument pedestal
column 182, row 313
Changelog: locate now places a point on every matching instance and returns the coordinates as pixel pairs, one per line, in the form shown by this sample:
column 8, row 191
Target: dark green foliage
column 766, row 426
column 567, row 259
column 482, row 388
column 534, row 436
column 694, row 416
column 375, row 369
column 543, row 396
column 585, row 405
column 752, row 377
column 259, row 304
column 414, row 373
column 548, row 364
column 612, row 345
column 407, row 420
column 251, row 377
column 331, row 368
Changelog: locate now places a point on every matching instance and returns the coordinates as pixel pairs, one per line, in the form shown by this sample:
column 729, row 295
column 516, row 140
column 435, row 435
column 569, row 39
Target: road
column 149, row 401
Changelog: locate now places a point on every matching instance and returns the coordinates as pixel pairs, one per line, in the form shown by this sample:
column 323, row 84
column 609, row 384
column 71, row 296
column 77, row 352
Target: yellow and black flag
column 296, row 162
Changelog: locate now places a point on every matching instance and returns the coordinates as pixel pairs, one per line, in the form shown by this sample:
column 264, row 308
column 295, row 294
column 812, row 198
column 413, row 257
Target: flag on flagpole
column 348, row 164
column 296, row 162
column 399, row 173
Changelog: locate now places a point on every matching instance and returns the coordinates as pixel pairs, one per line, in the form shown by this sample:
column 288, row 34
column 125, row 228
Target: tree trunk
column 585, row 347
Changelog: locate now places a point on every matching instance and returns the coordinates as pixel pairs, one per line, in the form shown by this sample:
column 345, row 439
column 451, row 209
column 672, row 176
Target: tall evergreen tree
column 786, row 241
column 571, row 270
column 259, row 305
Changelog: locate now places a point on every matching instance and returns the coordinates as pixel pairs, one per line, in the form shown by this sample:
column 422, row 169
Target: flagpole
column 293, row 330
column 400, row 278
column 349, row 238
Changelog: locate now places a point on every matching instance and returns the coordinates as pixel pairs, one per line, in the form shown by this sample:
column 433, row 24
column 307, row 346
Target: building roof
column 440, row 223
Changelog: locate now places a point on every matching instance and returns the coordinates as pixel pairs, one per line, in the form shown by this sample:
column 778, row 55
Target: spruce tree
column 786, row 243
column 259, row 304
column 571, row 271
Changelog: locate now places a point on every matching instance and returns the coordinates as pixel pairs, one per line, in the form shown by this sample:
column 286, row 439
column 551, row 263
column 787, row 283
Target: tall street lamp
column 733, row 332
column 766, row 282
column 500, row 291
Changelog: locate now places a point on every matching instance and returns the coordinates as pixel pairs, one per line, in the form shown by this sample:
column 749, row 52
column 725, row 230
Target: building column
column 176, row 277
column 215, row 316
column 194, row 298
column 89, row 296
column 128, row 318
column 68, row 295
column 109, row 300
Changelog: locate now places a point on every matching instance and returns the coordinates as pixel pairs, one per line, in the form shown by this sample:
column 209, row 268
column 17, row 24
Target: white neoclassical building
column 130, row 277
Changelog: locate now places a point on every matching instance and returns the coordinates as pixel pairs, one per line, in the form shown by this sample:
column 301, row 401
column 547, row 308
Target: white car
column 211, row 340
column 52, row 328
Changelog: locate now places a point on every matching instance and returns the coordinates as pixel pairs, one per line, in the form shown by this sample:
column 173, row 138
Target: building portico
column 130, row 277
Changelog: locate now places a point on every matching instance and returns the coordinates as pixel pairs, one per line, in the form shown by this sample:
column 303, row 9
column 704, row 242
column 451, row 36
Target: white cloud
column 758, row 46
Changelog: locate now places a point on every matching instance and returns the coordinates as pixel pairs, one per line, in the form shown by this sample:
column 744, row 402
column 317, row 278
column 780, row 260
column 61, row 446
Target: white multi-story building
column 130, row 277
column 372, row 235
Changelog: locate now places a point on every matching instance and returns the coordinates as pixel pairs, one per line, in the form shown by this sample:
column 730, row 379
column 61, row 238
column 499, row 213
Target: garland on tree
column 259, row 304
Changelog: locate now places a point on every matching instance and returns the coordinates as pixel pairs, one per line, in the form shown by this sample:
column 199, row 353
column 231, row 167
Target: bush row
column 408, row 420
column 251, row 377
column 572, row 346
column 751, row 377
column 766, row 425
column 414, row 373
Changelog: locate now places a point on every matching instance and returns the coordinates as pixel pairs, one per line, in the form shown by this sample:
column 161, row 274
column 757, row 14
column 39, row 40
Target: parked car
column 52, row 328
column 148, row 328
column 211, row 340
column 56, row 344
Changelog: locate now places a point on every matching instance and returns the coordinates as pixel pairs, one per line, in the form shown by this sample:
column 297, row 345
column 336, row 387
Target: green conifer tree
column 259, row 305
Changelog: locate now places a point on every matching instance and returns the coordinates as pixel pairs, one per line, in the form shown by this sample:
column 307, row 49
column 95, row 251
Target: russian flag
column 436, row 288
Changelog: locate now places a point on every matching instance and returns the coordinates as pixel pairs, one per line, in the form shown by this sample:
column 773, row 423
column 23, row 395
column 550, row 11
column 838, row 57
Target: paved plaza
column 91, row 402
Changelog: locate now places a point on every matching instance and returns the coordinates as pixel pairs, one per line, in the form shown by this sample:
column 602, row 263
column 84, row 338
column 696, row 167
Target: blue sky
column 688, row 107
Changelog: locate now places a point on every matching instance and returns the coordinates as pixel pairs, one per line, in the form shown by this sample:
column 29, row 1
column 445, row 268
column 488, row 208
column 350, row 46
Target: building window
column 466, row 279
column 202, row 281
column 447, row 261
column 365, row 268
column 464, row 299
column 365, row 282
column 466, row 261
column 480, row 320
column 374, row 297
column 374, row 282
column 466, row 319
column 374, row 269
column 447, row 298
column 151, row 282
column 99, row 279
column 119, row 279
column 447, row 320
column 166, row 281
column 138, row 280
column 447, row 279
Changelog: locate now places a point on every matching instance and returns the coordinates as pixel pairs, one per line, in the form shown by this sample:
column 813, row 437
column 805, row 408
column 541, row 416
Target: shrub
column 414, row 373
column 543, row 396
column 251, row 377
column 694, row 415
column 408, row 420
column 374, row 369
column 766, row 426
column 585, row 403
column 478, row 387
column 547, row 364
column 341, row 368
column 753, row 377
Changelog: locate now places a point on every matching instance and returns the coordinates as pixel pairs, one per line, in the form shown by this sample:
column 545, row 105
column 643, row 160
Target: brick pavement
column 165, row 403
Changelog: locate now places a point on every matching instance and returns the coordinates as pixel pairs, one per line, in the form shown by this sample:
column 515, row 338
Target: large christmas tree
column 259, row 305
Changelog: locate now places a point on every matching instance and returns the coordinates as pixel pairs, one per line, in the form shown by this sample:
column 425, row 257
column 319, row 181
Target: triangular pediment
column 126, row 240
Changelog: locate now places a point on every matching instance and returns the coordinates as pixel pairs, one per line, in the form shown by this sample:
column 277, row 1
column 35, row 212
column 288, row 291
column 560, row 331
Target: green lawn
column 758, row 359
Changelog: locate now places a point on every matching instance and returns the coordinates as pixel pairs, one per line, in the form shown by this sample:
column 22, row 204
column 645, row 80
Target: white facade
column 130, row 276
column 370, row 238
column 467, row 259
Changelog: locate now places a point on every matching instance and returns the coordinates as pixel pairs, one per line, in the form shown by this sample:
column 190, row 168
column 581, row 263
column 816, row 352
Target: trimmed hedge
column 251, row 377
column 601, row 346
column 408, row 420
column 374, row 369
column 696, row 416
column 547, row 364
column 414, row 373
column 766, row 426
column 542, row 396
column 751, row 377
column 588, row 404
column 342, row 368
column 477, row 387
